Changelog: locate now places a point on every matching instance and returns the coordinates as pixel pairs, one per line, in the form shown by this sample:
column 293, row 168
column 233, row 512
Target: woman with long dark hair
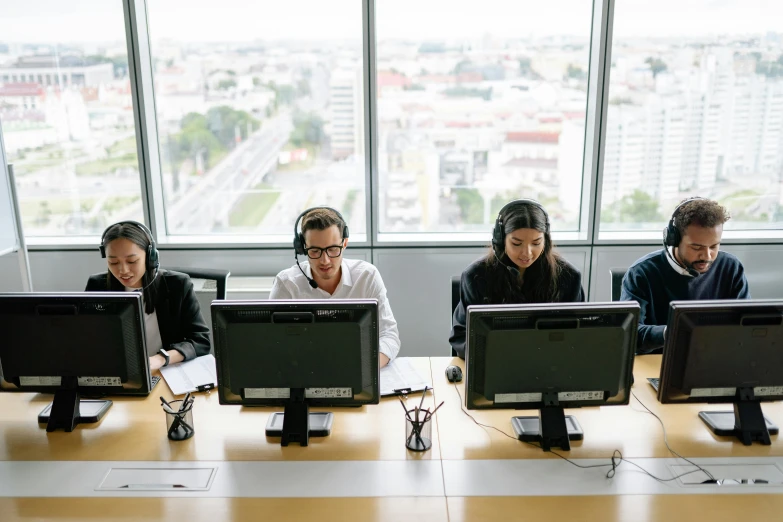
column 522, row 266
column 175, row 329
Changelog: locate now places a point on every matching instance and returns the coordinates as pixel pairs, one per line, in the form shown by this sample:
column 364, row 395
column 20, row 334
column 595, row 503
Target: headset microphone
column 514, row 270
column 310, row 280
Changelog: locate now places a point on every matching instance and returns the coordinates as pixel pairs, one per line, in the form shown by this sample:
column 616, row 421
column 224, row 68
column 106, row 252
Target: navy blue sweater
column 654, row 283
column 473, row 290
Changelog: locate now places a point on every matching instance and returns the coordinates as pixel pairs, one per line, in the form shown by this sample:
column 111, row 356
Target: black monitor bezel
column 218, row 308
column 672, row 351
column 560, row 310
column 131, row 299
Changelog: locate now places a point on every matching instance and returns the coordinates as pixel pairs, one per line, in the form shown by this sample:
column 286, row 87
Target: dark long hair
column 539, row 282
column 137, row 236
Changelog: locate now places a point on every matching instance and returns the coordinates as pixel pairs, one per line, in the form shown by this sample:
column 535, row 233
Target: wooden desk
column 630, row 429
column 134, row 429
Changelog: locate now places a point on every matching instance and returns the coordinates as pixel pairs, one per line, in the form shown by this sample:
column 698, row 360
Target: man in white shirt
column 323, row 238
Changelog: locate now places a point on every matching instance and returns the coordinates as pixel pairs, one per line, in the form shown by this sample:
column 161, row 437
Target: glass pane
column 259, row 112
column 480, row 103
column 695, row 109
column 67, row 116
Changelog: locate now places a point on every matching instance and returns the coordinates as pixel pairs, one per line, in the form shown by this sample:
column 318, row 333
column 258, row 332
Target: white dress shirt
column 151, row 328
column 358, row 280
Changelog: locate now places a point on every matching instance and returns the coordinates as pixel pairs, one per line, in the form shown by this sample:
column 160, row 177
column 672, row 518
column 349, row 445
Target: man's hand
column 383, row 360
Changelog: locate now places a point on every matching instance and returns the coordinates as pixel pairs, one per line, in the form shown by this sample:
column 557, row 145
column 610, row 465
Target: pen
column 430, row 414
column 422, row 397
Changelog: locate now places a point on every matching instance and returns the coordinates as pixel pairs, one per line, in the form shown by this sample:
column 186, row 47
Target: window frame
column 141, row 78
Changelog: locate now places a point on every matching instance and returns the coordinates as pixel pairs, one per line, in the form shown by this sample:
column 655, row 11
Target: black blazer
column 182, row 327
column 473, row 290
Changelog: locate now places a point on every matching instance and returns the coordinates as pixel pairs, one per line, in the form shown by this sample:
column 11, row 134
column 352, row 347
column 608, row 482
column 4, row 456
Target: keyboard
column 654, row 382
column 155, row 379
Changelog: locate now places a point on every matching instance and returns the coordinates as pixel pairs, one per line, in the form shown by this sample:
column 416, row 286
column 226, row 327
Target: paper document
column 400, row 374
column 189, row 375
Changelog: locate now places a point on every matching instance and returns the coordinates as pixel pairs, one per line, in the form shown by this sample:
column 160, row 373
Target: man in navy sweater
column 689, row 267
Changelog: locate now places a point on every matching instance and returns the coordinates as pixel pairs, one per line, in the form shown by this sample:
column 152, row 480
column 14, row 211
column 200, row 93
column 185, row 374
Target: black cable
column 615, row 460
column 666, row 439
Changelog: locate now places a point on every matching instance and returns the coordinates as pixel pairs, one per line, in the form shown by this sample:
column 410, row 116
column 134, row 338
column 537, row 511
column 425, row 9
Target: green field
column 251, row 209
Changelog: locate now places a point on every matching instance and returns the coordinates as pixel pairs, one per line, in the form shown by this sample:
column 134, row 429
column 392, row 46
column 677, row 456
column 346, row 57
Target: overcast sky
column 69, row 21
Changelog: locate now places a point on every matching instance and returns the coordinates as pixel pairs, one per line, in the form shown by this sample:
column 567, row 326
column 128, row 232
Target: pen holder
column 418, row 434
column 179, row 424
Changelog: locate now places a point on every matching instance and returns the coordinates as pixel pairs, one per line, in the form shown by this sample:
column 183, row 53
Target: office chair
column 214, row 280
column 617, row 275
column 220, row 277
column 454, row 301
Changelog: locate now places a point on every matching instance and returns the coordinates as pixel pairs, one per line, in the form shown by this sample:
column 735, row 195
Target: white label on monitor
column 764, row 391
column 40, row 381
column 267, row 393
column 581, row 396
column 99, row 381
column 328, row 393
column 713, row 392
column 517, row 397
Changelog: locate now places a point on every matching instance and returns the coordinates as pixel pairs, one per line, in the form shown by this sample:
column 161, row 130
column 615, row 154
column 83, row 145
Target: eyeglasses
column 331, row 251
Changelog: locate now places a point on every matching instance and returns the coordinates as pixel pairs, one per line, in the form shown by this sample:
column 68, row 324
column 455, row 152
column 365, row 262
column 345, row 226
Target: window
column 479, row 103
column 695, row 109
column 72, row 140
column 260, row 114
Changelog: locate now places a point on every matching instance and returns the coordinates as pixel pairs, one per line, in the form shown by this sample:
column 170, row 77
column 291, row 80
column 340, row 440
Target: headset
column 299, row 240
column 672, row 236
column 499, row 234
column 152, row 261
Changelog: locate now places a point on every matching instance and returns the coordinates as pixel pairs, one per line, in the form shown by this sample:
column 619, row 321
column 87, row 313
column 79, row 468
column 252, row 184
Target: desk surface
column 133, row 430
column 630, row 428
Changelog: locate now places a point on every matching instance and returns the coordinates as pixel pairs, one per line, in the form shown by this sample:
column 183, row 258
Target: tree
column 308, row 128
column 224, row 85
column 657, row 65
column 576, row 72
column 471, row 206
column 637, row 207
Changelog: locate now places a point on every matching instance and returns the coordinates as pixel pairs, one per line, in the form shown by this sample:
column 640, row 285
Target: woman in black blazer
column 521, row 267
column 175, row 329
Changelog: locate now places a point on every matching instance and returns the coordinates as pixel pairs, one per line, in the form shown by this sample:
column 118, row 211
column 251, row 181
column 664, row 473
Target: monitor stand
column 746, row 422
column 552, row 428
column 296, row 423
column 65, row 411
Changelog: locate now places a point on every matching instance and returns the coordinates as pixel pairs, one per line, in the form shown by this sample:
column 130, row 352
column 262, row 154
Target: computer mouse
column 454, row 373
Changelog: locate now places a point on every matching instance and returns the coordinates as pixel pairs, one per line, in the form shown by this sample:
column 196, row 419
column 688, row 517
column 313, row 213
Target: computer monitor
column 72, row 344
column 549, row 357
column 296, row 354
column 725, row 351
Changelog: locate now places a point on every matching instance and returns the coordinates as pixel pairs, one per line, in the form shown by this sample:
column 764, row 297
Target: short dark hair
column 321, row 219
column 701, row 212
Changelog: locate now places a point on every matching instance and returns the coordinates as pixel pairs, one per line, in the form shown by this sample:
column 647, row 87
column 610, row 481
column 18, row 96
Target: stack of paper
column 400, row 374
column 189, row 375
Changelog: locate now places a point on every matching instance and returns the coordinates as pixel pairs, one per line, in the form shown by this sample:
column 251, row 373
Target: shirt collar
column 345, row 274
column 677, row 268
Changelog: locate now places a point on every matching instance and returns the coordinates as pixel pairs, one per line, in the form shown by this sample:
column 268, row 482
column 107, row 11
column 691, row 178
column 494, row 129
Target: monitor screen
column 91, row 343
column 540, row 356
column 278, row 353
column 724, row 351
